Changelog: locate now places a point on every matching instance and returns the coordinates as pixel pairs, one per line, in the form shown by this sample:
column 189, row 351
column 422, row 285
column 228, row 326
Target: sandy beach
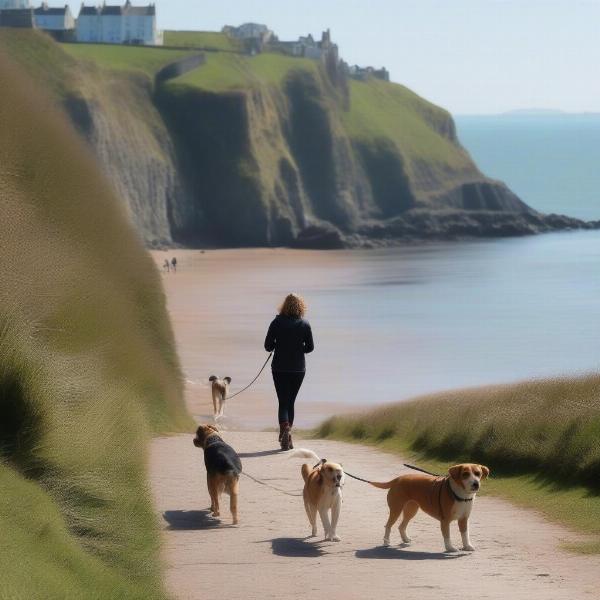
column 518, row 554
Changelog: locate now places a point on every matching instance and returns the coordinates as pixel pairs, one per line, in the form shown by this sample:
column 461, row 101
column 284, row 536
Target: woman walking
column 290, row 337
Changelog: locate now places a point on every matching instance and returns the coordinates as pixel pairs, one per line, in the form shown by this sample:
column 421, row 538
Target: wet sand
column 221, row 303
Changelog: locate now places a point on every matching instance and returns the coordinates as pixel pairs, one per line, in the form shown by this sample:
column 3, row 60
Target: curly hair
column 293, row 306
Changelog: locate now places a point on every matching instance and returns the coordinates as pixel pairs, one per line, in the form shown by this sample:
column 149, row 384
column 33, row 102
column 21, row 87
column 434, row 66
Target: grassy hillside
column 541, row 440
column 205, row 40
column 270, row 149
column 125, row 58
column 88, row 368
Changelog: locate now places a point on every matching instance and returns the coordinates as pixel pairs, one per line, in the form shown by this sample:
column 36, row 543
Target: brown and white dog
column 446, row 499
column 223, row 468
column 322, row 492
column 220, row 390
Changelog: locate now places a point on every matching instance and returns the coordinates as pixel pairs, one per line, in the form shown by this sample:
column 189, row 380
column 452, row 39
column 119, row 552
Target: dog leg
column 213, row 490
column 311, row 513
column 463, row 526
column 335, row 515
column 233, row 500
column 215, row 407
column 445, row 526
column 394, row 514
column 408, row 512
column 326, row 523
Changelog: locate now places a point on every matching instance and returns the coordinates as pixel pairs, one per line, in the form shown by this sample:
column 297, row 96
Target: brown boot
column 284, row 439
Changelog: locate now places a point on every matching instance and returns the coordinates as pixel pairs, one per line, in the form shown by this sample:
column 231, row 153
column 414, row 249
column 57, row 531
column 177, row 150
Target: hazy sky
column 470, row 56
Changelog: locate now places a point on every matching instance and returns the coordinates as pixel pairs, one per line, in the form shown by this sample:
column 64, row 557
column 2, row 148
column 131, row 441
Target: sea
column 392, row 324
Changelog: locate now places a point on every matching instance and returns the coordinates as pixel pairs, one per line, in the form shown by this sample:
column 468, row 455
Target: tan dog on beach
column 446, row 499
column 322, row 492
column 220, row 390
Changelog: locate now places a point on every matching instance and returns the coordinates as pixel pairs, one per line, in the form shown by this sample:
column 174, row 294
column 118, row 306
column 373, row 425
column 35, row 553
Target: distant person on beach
column 174, row 264
column 166, row 265
column 290, row 336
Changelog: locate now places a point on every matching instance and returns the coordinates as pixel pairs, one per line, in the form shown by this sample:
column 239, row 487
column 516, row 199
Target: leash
column 324, row 460
column 422, row 470
column 261, row 482
column 261, row 370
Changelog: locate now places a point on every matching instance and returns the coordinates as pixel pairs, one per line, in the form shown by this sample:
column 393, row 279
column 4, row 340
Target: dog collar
column 456, row 496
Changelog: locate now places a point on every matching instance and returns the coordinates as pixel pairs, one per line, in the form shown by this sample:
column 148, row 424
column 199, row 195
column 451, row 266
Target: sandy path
column 267, row 556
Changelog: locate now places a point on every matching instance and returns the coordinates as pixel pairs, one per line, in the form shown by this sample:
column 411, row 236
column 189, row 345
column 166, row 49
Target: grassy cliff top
column 206, row 40
column 125, row 58
column 226, row 71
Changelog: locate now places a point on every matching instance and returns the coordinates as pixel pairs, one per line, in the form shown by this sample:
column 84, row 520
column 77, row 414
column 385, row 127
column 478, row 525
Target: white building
column 11, row 4
column 125, row 24
column 54, row 19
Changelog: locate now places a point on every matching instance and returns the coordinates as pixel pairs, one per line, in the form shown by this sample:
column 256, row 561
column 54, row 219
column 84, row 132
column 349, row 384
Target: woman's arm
column 309, row 345
column 270, row 339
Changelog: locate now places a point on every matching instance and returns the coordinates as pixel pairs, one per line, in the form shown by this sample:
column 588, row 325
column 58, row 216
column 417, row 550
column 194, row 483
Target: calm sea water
column 552, row 162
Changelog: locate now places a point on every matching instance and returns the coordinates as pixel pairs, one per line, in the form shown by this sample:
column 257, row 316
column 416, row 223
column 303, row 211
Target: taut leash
column 261, row 370
column 422, row 470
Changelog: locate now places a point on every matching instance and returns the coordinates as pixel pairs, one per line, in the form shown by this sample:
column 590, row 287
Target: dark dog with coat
column 223, row 468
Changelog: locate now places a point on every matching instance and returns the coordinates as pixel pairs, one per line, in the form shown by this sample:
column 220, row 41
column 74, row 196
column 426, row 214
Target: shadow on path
column 295, row 547
column 401, row 553
column 191, row 519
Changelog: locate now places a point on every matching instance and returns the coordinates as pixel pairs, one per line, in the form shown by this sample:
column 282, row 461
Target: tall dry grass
column 88, row 368
column 547, row 428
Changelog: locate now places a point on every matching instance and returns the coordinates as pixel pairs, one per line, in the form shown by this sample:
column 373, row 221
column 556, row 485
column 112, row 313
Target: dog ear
column 455, row 472
column 485, row 472
column 227, row 379
column 213, row 378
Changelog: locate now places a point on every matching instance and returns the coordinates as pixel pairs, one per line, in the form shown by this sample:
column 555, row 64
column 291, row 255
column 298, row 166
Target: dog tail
column 305, row 471
column 383, row 486
column 304, row 453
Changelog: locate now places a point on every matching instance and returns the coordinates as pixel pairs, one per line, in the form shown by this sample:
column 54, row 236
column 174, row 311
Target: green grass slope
column 541, row 439
column 88, row 368
column 204, row 40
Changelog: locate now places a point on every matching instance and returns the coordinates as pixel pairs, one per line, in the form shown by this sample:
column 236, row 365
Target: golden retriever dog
column 446, row 499
column 220, row 391
column 322, row 493
column 223, row 468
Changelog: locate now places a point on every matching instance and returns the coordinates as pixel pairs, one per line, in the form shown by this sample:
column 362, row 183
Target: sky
column 469, row 56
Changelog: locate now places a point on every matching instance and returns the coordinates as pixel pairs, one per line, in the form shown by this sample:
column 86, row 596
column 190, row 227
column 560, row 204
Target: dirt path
column 267, row 556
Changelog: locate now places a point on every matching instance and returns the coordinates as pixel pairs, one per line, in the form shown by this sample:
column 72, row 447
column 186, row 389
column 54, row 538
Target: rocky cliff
column 273, row 150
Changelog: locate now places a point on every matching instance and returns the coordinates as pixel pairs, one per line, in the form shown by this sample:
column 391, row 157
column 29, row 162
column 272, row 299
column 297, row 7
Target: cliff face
column 272, row 150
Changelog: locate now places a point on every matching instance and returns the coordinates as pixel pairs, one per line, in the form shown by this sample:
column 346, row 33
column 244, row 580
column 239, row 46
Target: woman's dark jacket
column 291, row 339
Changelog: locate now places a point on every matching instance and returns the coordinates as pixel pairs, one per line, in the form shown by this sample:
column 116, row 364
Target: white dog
column 220, row 391
column 322, row 492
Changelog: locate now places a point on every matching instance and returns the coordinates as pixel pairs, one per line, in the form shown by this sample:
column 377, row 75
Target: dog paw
column 406, row 539
column 451, row 549
column 386, row 542
column 216, row 514
column 469, row 548
column 336, row 538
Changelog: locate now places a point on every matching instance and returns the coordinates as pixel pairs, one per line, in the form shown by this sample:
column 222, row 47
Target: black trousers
column 287, row 386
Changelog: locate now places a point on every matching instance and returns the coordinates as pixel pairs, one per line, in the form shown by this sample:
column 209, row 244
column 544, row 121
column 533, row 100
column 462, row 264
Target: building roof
column 89, row 10
column 116, row 11
column 44, row 9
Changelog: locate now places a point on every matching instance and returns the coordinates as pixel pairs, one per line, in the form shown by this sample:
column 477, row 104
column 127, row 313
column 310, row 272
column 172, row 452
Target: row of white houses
column 110, row 24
